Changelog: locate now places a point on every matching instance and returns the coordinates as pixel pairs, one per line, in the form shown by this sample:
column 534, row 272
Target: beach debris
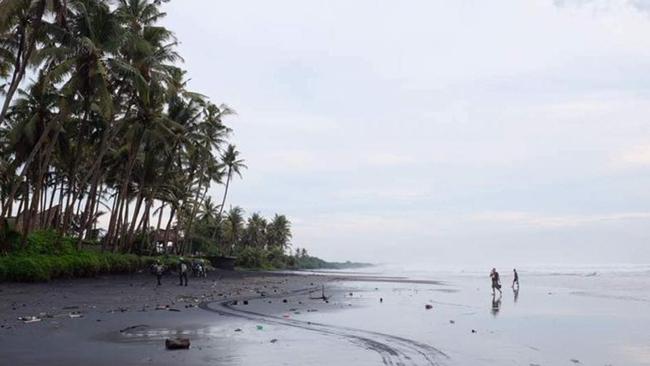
column 177, row 343
column 312, row 310
column 245, row 302
column 452, row 322
column 428, row 306
column 75, row 315
column 381, row 299
column 473, row 330
column 74, row 307
column 29, row 319
column 259, row 327
column 351, row 294
column 576, row 361
column 238, row 330
column 274, row 340
column 173, row 309
column 284, row 301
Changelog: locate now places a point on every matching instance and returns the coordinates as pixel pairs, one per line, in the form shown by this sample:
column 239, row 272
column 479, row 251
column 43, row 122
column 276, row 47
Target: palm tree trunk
column 225, row 192
column 168, row 228
column 134, row 220
column 26, row 165
column 162, row 206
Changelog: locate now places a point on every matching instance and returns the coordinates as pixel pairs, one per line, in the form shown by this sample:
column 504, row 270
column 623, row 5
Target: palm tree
column 231, row 159
column 234, row 227
column 279, row 232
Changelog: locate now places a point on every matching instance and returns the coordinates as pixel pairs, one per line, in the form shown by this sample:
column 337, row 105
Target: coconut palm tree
column 234, row 164
column 278, row 232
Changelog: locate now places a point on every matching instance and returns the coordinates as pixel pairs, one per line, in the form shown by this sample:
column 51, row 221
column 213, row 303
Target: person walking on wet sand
column 496, row 283
column 515, row 280
column 182, row 272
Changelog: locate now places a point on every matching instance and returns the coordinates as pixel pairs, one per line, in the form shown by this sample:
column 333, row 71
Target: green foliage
column 48, row 256
column 47, row 242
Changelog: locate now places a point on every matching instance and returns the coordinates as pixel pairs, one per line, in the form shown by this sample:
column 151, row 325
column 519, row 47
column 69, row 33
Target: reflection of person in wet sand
column 515, row 291
column 496, row 283
column 496, row 304
column 515, row 280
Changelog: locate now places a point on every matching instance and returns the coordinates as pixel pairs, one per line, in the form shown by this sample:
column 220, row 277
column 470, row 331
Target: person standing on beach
column 496, row 283
column 158, row 270
column 515, row 279
column 182, row 272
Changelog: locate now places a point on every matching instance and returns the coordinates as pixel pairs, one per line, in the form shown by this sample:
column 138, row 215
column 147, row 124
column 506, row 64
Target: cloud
column 556, row 221
column 641, row 5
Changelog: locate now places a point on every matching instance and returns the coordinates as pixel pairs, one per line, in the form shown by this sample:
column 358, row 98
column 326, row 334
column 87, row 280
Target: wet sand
column 235, row 318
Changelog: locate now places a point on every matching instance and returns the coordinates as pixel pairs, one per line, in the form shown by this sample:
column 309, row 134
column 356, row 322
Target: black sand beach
column 238, row 318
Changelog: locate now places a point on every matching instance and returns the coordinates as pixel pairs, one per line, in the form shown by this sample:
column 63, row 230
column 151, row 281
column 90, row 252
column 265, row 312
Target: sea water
column 560, row 315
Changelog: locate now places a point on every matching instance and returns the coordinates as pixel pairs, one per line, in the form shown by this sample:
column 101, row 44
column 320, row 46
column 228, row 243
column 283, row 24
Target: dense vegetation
column 97, row 121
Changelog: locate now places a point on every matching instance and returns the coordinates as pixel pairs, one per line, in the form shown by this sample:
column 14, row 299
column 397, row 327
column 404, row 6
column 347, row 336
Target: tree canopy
column 97, row 121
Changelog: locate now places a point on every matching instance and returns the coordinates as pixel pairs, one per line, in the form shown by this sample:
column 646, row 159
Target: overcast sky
column 465, row 132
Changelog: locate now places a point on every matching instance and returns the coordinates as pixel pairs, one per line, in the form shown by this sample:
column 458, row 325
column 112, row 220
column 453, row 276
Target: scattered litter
column 312, row 310
column 273, row 340
column 70, row 307
column 428, row 306
column 238, row 330
column 574, row 360
column 452, row 322
column 473, row 330
column 259, row 327
column 284, row 301
column 29, row 319
column 172, row 309
column 177, row 343
column 75, row 315
column 245, row 302
column 381, row 299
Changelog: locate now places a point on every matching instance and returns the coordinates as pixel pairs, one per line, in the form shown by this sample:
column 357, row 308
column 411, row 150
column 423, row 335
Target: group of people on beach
column 496, row 280
column 198, row 269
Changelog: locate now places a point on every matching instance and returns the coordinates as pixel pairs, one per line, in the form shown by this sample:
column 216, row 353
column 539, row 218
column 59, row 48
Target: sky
column 436, row 132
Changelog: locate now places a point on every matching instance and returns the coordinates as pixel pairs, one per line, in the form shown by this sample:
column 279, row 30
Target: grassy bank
column 47, row 256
